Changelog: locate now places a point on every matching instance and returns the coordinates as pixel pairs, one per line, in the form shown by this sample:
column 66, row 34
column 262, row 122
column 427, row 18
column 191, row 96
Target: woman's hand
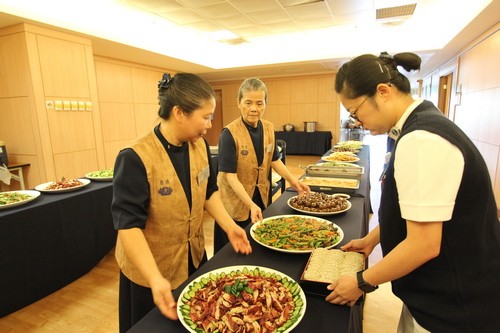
column 301, row 188
column 239, row 240
column 359, row 245
column 345, row 291
column 255, row 213
column 163, row 298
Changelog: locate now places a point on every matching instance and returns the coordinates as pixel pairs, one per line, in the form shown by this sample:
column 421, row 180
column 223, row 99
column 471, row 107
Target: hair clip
column 385, row 55
column 165, row 81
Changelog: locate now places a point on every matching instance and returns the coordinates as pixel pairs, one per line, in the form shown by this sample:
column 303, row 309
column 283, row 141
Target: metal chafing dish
column 331, row 185
column 318, row 170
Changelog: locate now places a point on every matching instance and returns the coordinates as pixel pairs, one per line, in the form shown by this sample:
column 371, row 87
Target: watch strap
column 363, row 285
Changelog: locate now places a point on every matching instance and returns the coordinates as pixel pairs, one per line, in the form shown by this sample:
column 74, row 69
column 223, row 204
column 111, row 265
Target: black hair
column 361, row 75
column 185, row 90
column 252, row 84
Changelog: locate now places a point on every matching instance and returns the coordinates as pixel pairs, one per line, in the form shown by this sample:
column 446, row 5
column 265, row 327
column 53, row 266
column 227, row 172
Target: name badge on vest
column 204, row 174
column 269, row 148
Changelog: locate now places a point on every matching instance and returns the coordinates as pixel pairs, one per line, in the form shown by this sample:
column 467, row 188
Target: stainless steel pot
column 288, row 128
column 310, row 126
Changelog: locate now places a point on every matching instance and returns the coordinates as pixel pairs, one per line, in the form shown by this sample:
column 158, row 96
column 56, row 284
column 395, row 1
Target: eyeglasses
column 353, row 114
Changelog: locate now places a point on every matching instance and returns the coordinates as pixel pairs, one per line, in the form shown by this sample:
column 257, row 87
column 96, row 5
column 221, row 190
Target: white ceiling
column 254, row 21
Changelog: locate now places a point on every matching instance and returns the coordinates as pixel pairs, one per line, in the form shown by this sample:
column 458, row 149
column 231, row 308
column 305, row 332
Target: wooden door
column 445, row 83
column 212, row 135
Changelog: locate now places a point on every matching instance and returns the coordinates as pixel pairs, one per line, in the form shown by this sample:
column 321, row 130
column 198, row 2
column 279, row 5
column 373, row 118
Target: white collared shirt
column 428, row 170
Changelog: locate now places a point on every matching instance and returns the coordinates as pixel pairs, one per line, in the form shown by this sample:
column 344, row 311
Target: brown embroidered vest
column 171, row 227
column 249, row 173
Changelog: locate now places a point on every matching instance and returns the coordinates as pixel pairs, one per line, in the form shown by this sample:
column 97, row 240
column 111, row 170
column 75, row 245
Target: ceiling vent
column 233, row 41
column 396, row 12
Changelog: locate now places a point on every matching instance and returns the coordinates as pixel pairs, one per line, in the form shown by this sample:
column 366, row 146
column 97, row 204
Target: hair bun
column 409, row 61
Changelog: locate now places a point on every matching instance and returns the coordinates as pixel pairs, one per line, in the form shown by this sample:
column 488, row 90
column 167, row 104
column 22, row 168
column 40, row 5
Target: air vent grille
column 389, row 12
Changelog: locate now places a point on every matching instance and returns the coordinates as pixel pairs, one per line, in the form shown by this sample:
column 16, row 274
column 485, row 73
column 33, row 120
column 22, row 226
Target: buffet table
column 320, row 315
column 306, row 143
column 51, row 241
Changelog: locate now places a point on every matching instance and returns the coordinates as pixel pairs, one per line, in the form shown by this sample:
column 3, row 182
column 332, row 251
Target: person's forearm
column 238, row 188
column 138, row 251
column 411, row 253
column 216, row 209
column 283, row 171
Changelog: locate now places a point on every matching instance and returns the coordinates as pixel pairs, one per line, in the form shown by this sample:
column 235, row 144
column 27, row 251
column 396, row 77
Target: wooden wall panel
column 114, row 82
column 279, row 92
column 304, row 90
column 111, row 149
column 478, row 114
column 278, row 114
column 303, row 112
column 472, row 73
column 37, row 107
column 467, row 114
column 64, row 68
column 146, row 118
column 128, row 101
column 326, row 122
column 145, row 85
column 490, row 154
column 75, row 164
column 489, row 116
column 16, row 127
column 491, row 62
column 326, row 90
column 13, row 79
column 118, row 121
column 71, row 131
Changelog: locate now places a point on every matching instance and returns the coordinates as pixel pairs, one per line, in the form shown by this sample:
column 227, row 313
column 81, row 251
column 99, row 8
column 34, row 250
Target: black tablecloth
column 51, row 241
column 306, row 143
column 320, row 315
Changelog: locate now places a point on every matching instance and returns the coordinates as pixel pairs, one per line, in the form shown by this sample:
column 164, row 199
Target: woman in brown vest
column 162, row 184
column 247, row 151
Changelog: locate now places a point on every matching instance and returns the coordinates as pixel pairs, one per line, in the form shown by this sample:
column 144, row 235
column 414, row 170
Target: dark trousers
column 220, row 237
column 136, row 301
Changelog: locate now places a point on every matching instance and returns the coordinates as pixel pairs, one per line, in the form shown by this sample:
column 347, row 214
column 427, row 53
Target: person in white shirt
column 438, row 225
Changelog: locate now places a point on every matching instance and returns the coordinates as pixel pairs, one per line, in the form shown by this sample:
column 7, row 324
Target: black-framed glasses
column 353, row 115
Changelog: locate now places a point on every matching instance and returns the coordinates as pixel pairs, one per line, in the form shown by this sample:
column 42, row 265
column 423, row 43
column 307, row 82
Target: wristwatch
column 363, row 285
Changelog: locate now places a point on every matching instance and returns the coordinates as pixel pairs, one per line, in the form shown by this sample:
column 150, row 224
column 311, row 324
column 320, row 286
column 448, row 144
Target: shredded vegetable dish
column 296, row 233
column 101, row 174
column 10, row 198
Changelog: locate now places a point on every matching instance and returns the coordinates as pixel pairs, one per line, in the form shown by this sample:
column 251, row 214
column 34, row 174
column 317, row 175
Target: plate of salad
column 296, row 233
column 101, row 175
column 16, row 198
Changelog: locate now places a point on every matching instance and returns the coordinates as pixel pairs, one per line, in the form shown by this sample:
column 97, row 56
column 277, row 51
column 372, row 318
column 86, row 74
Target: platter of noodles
column 350, row 144
column 63, row 185
column 296, row 233
column 338, row 164
column 319, row 204
column 341, row 157
column 242, row 299
column 16, row 198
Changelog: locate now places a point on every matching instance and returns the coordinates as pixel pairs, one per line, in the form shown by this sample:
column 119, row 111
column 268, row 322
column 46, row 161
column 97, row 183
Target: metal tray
column 315, row 170
column 330, row 184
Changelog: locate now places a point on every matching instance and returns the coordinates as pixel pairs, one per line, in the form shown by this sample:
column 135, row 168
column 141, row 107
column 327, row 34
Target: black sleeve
column 227, row 152
column 129, row 207
column 212, row 179
column 276, row 154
